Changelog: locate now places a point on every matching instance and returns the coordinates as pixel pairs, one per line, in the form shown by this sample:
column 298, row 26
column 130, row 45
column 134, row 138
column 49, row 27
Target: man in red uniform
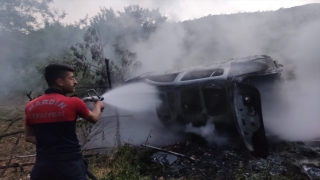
column 51, row 125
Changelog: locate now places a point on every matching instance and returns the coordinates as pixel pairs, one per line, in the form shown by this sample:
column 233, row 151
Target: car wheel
column 260, row 144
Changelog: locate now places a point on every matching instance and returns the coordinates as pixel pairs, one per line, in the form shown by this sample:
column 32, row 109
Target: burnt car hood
column 233, row 69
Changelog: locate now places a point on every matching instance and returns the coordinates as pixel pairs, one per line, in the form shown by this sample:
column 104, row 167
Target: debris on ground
column 288, row 160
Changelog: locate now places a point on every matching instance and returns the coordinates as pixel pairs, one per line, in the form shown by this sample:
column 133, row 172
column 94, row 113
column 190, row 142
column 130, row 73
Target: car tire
column 260, row 144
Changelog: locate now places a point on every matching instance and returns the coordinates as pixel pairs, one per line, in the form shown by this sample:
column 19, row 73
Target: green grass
column 127, row 162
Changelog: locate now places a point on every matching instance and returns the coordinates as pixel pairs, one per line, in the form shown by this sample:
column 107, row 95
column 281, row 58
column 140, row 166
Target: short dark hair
column 55, row 71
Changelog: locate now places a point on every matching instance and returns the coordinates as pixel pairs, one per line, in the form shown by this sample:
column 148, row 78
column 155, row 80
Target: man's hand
column 29, row 135
column 95, row 114
column 99, row 104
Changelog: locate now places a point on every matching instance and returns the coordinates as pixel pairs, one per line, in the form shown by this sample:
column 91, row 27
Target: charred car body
column 223, row 94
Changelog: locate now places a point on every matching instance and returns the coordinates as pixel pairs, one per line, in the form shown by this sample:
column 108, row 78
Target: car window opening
column 202, row 74
column 164, row 78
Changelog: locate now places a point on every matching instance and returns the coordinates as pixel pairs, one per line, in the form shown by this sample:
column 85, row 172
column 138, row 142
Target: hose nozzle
column 93, row 98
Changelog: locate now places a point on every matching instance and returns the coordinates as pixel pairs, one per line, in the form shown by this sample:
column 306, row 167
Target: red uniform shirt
column 53, row 119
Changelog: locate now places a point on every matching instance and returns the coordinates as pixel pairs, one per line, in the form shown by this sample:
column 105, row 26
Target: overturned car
column 223, row 94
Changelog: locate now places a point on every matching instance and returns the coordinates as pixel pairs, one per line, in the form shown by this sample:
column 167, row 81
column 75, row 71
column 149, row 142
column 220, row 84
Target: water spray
column 134, row 97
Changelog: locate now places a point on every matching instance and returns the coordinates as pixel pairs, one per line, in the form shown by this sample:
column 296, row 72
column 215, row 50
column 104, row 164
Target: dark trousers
column 59, row 170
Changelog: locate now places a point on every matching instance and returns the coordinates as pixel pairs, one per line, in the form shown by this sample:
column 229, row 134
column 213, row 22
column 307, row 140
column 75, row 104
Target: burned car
column 223, row 94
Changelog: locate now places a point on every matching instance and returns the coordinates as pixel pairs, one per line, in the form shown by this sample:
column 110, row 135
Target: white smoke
column 163, row 50
column 295, row 110
column 207, row 132
column 292, row 110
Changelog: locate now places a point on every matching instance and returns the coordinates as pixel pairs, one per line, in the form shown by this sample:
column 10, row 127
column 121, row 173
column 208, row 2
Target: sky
column 175, row 10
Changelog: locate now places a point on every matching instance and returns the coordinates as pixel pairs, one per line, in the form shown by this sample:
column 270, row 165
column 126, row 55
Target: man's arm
column 29, row 135
column 95, row 114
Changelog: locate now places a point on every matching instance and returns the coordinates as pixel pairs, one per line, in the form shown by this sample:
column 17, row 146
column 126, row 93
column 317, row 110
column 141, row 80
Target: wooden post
column 118, row 137
column 108, row 73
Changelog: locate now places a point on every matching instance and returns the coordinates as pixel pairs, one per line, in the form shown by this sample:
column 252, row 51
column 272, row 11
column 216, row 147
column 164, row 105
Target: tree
column 89, row 58
column 26, row 15
column 145, row 19
column 21, row 52
column 110, row 35
column 135, row 23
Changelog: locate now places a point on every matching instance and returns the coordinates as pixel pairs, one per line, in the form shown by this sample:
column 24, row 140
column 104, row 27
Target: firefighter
column 51, row 125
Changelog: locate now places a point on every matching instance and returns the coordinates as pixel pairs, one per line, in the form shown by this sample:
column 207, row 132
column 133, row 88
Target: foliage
column 23, row 15
column 90, row 54
column 84, row 44
column 119, row 30
column 21, row 53
column 127, row 61
column 82, row 73
column 132, row 25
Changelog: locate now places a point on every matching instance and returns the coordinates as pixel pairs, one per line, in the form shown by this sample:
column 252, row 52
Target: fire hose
column 92, row 98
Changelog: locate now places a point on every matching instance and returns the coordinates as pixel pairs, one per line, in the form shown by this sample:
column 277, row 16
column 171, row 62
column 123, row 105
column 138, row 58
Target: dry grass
column 125, row 162
column 11, row 120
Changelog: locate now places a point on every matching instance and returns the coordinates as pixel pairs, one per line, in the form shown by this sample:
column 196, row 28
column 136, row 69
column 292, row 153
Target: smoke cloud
column 295, row 111
column 291, row 110
column 207, row 132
